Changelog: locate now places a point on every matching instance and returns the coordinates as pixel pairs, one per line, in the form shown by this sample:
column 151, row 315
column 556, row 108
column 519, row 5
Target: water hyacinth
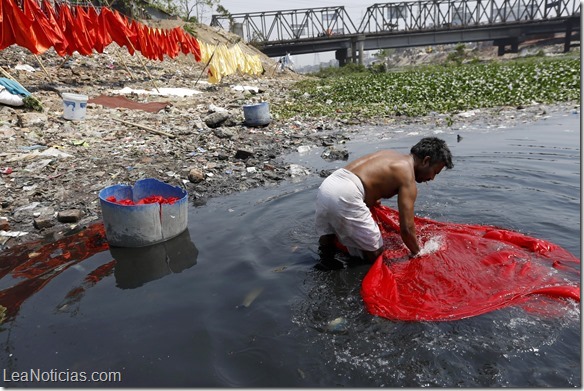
column 437, row 88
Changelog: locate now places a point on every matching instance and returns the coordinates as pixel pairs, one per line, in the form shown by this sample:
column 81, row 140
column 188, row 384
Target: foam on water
column 432, row 245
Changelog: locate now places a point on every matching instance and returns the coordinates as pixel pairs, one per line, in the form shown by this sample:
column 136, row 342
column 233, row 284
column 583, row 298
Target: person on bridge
column 344, row 198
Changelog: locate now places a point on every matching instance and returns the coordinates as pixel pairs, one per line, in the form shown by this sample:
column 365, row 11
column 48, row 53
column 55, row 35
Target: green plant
column 32, row 103
column 418, row 91
column 457, row 56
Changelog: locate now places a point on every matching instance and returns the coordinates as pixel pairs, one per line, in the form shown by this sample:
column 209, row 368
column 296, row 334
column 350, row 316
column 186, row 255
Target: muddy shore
column 51, row 168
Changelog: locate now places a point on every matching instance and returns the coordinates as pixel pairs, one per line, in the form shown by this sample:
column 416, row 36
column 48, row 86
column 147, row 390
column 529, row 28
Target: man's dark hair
column 435, row 148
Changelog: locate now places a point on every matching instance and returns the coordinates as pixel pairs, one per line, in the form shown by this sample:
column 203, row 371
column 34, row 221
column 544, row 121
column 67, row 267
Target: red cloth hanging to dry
column 118, row 28
column 67, row 24
column 48, row 34
column 136, row 40
column 472, row 270
column 61, row 45
column 24, row 31
column 102, row 36
column 83, row 30
column 6, row 35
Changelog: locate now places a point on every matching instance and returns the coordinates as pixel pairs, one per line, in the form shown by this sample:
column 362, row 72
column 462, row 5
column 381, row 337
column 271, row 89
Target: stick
column 43, row 67
column 206, row 65
column 170, row 135
column 64, row 61
column 121, row 58
column 144, row 65
column 7, row 74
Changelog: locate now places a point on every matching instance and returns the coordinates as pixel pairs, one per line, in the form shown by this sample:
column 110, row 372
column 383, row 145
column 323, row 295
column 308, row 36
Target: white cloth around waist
column 341, row 210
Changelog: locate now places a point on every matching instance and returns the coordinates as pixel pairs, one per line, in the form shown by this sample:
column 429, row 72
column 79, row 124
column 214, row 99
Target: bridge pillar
column 341, row 56
column 502, row 43
column 357, row 52
column 569, row 36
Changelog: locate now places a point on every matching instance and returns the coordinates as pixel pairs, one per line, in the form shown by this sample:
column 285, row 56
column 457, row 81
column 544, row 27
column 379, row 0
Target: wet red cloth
column 473, row 270
column 147, row 200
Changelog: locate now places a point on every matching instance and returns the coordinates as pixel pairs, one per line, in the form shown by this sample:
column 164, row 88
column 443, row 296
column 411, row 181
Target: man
column 344, row 198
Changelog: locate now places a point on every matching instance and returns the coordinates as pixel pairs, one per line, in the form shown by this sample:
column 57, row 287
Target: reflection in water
column 138, row 266
column 32, row 266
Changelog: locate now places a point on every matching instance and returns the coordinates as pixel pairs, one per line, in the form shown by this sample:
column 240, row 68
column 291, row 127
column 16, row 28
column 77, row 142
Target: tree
column 224, row 12
column 190, row 10
column 200, row 8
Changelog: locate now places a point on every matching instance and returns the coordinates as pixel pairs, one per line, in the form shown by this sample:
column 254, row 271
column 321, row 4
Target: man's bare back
column 383, row 173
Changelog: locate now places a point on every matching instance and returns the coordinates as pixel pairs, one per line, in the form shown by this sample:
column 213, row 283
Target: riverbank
column 52, row 169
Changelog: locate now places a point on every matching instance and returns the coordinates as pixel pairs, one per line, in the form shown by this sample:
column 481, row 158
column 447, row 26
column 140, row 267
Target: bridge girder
column 406, row 24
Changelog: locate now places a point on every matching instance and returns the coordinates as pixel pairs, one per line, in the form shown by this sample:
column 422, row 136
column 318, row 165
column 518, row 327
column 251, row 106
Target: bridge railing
column 293, row 25
column 274, row 26
column 447, row 14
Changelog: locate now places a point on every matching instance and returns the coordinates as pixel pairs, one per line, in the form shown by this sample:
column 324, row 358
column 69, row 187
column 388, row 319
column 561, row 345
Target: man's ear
column 426, row 161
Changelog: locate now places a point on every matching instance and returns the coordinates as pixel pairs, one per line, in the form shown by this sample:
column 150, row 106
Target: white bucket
column 74, row 106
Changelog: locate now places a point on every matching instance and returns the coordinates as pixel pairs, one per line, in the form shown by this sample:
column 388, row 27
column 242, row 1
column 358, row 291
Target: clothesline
column 75, row 28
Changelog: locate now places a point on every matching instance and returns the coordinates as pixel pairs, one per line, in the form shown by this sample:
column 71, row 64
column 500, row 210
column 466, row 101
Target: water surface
column 237, row 301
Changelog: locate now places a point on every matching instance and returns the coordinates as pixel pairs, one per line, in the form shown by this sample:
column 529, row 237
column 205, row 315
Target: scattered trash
column 303, row 149
column 337, row 326
column 245, row 88
column 332, row 154
column 251, row 296
column 298, row 170
column 25, row 67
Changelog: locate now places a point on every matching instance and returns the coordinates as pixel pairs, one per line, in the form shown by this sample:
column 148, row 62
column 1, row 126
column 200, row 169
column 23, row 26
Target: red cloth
column 118, row 28
column 61, row 45
column 67, row 24
column 102, row 36
column 47, row 33
column 473, row 270
column 155, row 199
column 82, row 29
column 75, row 28
column 21, row 28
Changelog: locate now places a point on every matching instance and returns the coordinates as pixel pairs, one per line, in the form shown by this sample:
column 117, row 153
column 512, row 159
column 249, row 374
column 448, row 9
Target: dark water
column 236, row 301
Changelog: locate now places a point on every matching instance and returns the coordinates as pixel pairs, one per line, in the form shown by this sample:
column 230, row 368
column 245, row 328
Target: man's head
column 432, row 155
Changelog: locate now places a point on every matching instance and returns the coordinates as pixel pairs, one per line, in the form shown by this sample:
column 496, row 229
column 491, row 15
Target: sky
column 355, row 8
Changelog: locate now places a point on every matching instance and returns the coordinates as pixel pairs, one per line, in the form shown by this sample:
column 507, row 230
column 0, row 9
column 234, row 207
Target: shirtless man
column 344, row 198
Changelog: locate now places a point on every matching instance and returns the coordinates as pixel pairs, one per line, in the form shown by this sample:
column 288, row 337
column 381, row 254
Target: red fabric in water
column 473, row 270
column 147, row 200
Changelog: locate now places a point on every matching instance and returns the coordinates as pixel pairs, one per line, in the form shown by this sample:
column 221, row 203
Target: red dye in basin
column 147, row 200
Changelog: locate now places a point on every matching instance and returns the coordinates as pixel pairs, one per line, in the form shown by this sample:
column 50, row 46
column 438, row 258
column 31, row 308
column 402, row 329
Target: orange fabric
column 6, row 35
column 61, row 45
column 81, row 28
column 118, row 28
column 26, row 33
column 67, row 25
column 47, row 34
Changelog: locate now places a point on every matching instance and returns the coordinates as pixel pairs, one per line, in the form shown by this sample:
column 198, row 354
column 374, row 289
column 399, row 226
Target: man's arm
column 406, row 199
